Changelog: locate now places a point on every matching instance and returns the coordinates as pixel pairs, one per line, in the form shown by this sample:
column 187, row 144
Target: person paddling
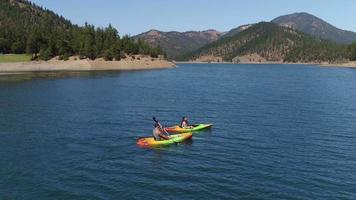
column 159, row 132
column 184, row 123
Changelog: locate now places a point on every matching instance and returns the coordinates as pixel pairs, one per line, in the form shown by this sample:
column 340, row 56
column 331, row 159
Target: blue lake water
column 280, row 132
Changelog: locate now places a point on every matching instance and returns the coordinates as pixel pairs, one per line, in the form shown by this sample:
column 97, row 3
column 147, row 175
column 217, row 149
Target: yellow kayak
column 174, row 139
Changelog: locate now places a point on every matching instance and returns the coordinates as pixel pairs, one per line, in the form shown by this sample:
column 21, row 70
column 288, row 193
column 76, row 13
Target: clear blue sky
column 136, row 16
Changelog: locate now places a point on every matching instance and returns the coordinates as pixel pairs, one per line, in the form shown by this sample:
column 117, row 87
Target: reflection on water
column 57, row 75
column 160, row 153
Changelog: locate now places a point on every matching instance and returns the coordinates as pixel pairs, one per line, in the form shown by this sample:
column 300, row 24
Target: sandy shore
column 262, row 63
column 144, row 63
column 346, row 64
column 201, row 62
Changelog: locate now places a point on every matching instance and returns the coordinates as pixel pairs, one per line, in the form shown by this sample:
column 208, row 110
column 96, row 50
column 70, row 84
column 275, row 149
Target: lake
column 280, row 132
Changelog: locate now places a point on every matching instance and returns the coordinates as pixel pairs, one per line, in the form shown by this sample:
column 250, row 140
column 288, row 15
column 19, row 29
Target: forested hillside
column 274, row 43
column 27, row 28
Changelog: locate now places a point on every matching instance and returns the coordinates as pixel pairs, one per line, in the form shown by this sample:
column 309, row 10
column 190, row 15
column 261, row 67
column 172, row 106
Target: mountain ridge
column 176, row 43
column 307, row 23
column 315, row 26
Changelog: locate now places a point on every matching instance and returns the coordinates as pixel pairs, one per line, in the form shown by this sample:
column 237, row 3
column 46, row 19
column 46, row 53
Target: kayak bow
column 197, row 127
column 151, row 142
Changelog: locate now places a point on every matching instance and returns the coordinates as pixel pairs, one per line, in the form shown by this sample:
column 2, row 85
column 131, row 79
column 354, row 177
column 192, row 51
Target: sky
column 136, row 16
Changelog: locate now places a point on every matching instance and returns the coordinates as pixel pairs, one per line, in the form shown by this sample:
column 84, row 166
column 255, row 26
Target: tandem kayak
column 178, row 129
column 151, row 142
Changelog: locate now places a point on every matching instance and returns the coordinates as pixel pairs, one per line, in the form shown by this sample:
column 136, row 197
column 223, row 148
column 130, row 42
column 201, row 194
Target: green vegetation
column 14, row 57
column 275, row 43
column 27, row 28
column 352, row 51
column 312, row 50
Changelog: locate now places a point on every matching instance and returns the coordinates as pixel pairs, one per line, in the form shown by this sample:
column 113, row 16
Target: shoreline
column 84, row 65
column 350, row 64
column 128, row 64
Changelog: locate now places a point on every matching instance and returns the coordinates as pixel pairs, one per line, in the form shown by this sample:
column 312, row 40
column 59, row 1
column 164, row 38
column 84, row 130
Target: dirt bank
column 139, row 63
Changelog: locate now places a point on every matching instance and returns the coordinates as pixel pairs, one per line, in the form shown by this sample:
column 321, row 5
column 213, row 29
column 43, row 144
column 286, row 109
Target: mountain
column 28, row 28
column 175, row 43
column 267, row 41
column 179, row 45
column 237, row 30
column 315, row 26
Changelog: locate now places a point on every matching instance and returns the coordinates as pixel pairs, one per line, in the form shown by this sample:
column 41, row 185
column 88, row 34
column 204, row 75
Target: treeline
column 27, row 28
column 310, row 49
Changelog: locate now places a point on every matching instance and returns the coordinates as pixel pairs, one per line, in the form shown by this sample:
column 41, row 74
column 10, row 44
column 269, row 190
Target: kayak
column 151, row 142
column 178, row 129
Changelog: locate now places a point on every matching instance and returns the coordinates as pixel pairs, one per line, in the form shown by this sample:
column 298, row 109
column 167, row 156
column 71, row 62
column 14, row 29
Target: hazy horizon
column 134, row 17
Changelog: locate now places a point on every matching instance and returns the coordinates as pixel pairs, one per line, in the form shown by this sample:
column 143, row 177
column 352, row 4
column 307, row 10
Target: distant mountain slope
column 273, row 43
column 237, row 30
column 177, row 43
column 315, row 26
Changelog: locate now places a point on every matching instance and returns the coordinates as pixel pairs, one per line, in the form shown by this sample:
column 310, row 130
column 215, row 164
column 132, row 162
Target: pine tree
column 4, row 45
column 108, row 55
column 352, row 51
column 32, row 45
